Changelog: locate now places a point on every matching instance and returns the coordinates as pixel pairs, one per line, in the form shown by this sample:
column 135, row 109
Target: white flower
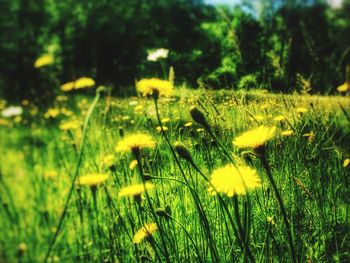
column 12, row 111
column 158, row 54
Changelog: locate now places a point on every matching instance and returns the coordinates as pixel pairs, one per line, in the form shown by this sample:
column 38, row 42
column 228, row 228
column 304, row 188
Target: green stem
column 75, row 176
column 282, row 207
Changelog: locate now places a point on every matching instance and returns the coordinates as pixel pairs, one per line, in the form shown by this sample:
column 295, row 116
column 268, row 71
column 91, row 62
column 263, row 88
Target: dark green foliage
column 213, row 46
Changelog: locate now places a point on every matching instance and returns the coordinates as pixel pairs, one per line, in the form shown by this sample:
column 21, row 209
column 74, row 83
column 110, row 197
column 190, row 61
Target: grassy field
column 297, row 209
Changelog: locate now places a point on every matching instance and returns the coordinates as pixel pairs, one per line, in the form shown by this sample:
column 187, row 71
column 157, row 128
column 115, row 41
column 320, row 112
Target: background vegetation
column 279, row 43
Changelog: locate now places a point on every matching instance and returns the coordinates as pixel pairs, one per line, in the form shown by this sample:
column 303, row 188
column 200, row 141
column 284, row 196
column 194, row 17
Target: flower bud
column 183, row 152
column 199, row 117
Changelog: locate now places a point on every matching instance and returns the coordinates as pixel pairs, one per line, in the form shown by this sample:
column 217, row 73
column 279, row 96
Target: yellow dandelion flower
column 232, row 180
column 92, row 179
column 50, row 174
column 69, row 125
column 155, row 87
column 159, row 129
column 84, row 82
column 259, row 117
column 135, row 190
column 52, row 113
column 188, row 124
column 346, row 162
column 255, row 138
column 279, row 118
column 108, row 160
column 287, row 133
column 135, row 141
column 165, row 120
column 344, row 87
column 61, row 98
column 44, row 60
column 145, row 232
column 133, row 164
column 67, row 86
column 301, row 110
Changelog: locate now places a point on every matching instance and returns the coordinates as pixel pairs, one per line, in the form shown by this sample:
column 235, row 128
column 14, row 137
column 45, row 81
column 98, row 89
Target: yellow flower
column 344, row 87
column 132, row 164
column 67, row 86
column 50, row 174
column 232, row 180
column 279, row 118
column 108, row 160
column 43, row 61
column 135, row 141
column 287, row 133
column 84, row 82
column 301, row 110
column 155, row 86
column 255, row 138
column 159, row 129
column 346, row 162
column 92, row 179
column 52, row 113
column 135, row 190
column 69, row 125
column 188, row 124
column 145, row 232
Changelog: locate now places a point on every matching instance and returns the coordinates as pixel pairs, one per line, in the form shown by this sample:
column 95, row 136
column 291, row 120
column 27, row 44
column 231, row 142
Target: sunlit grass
column 154, row 166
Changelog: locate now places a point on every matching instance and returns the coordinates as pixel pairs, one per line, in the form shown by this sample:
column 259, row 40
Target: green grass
column 38, row 163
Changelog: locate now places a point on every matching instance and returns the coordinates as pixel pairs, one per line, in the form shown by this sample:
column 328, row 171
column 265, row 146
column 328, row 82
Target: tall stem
column 280, row 202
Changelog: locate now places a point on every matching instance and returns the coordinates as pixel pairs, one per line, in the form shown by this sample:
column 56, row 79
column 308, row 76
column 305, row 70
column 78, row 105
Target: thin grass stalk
column 213, row 249
column 75, row 176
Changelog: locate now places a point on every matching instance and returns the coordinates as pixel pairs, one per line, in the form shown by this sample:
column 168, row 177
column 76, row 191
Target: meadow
column 176, row 178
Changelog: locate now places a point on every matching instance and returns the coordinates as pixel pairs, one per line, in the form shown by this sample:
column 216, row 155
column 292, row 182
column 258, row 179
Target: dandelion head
column 135, row 142
column 287, row 133
column 234, row 180
column 301, row 110
column 135, row 190
column 155, row 87
column 43, row 61
column 84, row 82
column 145, row 232
column 92, row 179
column 255, row 138
column 344, row 87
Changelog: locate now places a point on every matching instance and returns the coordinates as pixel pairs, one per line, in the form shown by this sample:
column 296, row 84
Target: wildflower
column 67, row 86
column 84, row 82
column 301, row 110
column 183, row 152
column 232, row 180
column 270, row 220
column 188, row 124
column 346, row 162
column 255, row 138
column 61, row 98
column 43, row 61
column 279, row 118
column 158, row 54
column 52, row 113
column 133, row 164
column 12, row 111
column 108, row 160
column 144, row 233
column 50, row 174
column 92, row 179
column 165, row 120
column 258, row 117
column 199, row 117
column 69, row 125
column 135, row 190
column 159, row 129
column 310, row 136
column 135, row 142
column 344, row 87
column 155, row 87
column 287, row 133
